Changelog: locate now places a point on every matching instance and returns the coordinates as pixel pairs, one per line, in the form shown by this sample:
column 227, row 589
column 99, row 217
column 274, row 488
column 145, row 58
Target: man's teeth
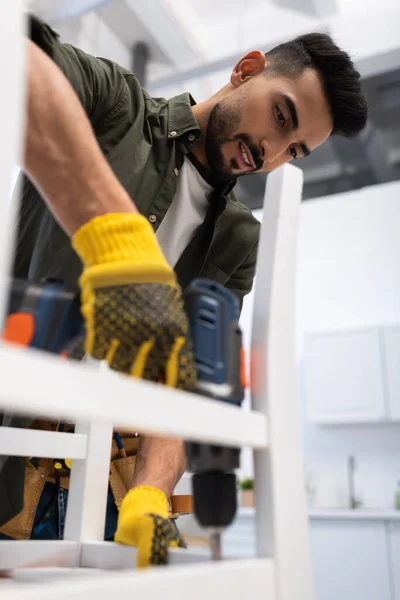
column 245, row 157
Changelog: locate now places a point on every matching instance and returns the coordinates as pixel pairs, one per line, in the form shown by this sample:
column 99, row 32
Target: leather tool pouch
column 20, row 526
column 121, row 475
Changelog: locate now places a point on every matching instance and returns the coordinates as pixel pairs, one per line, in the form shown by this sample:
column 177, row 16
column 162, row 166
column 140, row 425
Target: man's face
column 265, row 122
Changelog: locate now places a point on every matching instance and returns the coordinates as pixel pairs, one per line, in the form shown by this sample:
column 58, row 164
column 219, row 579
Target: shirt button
column 173, row 134
column 152, row 218
column 176, row 171
column 191, row 137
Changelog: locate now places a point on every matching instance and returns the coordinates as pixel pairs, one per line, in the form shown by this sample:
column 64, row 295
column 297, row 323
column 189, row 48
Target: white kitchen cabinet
column 394, row 557
column 350, row 560
column 391, row 336
column 344, row 376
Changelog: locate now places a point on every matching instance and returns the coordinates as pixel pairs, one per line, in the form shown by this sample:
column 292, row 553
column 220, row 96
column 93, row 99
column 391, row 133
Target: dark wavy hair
column 340, row 79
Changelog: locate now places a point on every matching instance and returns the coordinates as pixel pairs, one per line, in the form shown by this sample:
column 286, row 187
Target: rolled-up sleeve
column 99, row 83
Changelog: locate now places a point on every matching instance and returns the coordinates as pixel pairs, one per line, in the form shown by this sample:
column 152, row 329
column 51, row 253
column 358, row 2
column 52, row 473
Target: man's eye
column 281, row 117
column 293, row 152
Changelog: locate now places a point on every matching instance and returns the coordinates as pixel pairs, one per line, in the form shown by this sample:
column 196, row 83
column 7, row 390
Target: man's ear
column 250, row 65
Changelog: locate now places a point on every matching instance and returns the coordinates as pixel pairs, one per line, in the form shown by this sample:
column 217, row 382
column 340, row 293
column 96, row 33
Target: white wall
column 348, row 261
column 348, row 276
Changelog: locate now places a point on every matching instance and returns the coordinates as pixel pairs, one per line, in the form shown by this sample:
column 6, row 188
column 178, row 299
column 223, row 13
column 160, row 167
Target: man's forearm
column 160, row 463
column 63, row 159
column 62, row 156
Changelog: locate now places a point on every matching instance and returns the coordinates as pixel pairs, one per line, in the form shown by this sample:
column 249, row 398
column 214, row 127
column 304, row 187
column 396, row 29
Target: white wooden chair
column 35, row 383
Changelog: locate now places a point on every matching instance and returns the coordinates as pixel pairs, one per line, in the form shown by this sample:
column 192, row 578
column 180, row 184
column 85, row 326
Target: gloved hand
column 143, row 522
column 131, row 302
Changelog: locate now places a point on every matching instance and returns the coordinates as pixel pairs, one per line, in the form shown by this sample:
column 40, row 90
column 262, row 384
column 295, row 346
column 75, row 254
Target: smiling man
column 132, row 196
column 280, row 106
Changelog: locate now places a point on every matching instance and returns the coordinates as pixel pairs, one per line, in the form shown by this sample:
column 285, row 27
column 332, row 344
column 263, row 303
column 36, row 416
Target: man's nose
column 272, row 149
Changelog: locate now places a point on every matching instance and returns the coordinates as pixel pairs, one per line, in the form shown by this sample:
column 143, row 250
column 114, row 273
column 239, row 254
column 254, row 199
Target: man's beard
column 222, row 124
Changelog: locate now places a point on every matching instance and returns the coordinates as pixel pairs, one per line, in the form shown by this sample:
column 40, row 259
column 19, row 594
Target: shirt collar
column 181, row 120
column 182, row 125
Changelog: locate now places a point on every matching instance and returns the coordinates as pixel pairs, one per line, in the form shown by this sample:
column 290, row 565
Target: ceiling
column 193, row 45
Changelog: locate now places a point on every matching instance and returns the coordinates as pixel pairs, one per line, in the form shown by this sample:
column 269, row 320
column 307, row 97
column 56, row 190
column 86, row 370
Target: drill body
column 217, row 342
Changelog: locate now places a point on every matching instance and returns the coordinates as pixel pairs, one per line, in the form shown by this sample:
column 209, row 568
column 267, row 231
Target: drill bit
column 215, row 545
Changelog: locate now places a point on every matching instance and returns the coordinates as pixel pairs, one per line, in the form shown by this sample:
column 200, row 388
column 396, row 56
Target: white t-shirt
column 187, row 211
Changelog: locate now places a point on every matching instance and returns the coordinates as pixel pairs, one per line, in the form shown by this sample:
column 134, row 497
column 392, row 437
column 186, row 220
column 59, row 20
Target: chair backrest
column 282, row 523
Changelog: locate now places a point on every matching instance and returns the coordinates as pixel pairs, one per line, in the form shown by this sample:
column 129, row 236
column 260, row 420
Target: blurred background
column 192, row 45
column 348, row 277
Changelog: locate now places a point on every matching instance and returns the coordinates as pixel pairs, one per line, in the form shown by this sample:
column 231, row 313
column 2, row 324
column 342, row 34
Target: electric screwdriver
column 213, row 313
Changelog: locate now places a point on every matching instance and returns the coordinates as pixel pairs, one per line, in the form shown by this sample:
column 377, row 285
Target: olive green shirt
column 145, row 141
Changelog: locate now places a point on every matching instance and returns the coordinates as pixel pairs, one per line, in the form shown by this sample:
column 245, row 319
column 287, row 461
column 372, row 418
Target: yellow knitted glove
column 143, row 522
column 131, row 302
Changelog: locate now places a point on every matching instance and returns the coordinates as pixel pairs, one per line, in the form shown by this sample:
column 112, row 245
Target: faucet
column 351, row 467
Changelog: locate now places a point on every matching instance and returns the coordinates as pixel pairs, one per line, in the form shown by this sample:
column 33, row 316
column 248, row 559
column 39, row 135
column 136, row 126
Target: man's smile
column 246, row 160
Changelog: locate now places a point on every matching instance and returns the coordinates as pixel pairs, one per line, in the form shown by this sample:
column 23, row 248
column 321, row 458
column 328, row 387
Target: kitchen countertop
column 384, row 514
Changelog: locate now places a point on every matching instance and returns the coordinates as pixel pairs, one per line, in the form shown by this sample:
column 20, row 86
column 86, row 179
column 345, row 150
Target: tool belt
column 121, row 475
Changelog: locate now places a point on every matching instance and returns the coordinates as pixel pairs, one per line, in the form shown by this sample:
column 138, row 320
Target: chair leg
column 87, row 500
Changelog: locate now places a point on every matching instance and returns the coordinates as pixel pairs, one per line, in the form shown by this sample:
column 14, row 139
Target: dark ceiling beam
column 140, row 61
